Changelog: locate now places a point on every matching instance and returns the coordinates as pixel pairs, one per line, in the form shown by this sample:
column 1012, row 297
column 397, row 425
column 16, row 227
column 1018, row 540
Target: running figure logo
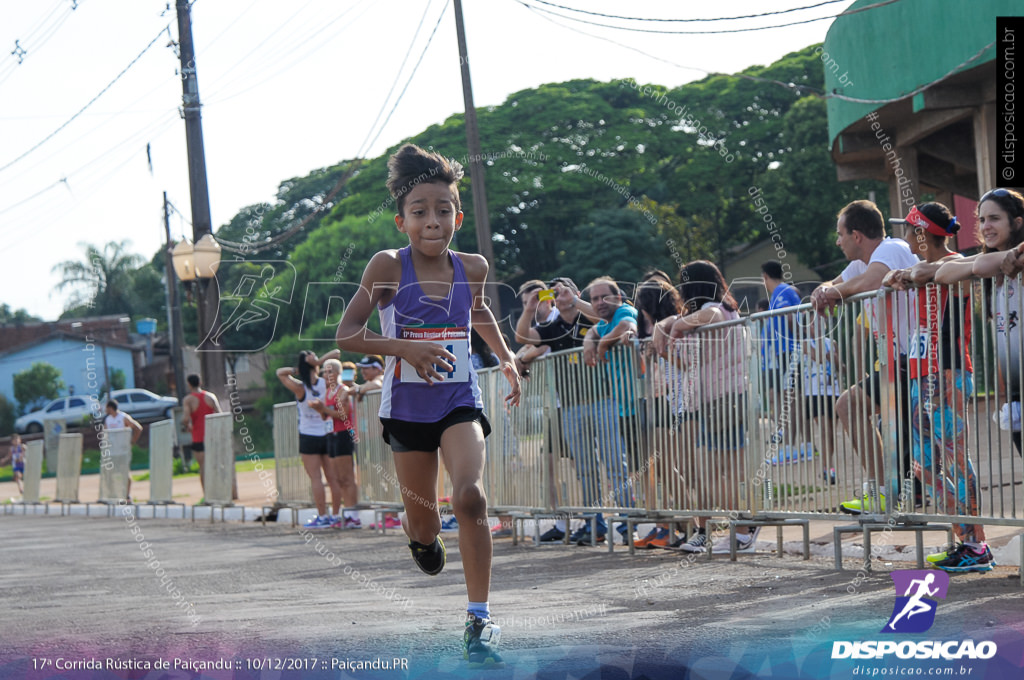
column 916, row 593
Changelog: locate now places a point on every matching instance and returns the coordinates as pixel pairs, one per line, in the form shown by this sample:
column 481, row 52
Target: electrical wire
column 787, row 86
column 745, row 16
column 91, row 101
column 10, row 63
column 411, row 76
column 364, row 147
column 217, row 98
column 713, row 32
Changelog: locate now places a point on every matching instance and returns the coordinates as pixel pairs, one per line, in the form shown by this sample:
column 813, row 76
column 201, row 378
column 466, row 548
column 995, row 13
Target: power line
column 301, row 57
column 787, row 86
column 364, row 148
column 411, row 76
column 47, row 32
column 250, row 248
column 714, row 32
column 745, row 16
column 50, row 136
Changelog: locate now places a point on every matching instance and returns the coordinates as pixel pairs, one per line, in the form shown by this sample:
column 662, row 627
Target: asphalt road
column 277, row 602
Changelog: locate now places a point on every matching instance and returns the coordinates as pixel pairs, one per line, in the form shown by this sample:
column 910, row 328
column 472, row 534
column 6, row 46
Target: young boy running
column 429, row 298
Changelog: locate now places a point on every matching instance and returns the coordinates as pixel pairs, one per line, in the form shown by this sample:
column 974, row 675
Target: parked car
column 70, row 409
column 139, row 403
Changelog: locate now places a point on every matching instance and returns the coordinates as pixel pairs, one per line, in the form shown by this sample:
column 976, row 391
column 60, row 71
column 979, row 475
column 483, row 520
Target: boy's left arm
column 487, row 327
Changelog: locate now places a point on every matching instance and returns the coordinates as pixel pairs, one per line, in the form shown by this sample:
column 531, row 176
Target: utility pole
column 173, row 309
column 208, row 302
column 476, row 168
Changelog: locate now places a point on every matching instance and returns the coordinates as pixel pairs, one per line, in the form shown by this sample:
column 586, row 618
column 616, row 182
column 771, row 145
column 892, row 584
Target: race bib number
column 920, row 343
column 453, row 339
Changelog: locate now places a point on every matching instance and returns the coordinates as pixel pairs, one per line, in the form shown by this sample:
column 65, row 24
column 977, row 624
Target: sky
column 286, row 88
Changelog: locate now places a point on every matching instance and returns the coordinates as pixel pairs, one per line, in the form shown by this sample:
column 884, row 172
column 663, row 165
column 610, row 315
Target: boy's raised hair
column 411, row 165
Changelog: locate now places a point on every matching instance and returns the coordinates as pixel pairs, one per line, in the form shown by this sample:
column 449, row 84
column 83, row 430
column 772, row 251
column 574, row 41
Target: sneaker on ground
column 646, row 540
column 389, row 523
column 860, row 506
column 678, row 543
column 552, row 535
column 744, row 542
column 450, row 524
column 663, row 540
column 337, row 522
column 353, row 523
column 501, row 532
column 480, row 643
column 429, row 558
column 319, row 522
column 697, row 543
column 582, row 536
column 964, row 559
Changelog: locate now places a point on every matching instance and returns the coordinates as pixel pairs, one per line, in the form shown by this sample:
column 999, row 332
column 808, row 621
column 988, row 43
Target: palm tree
column 103, row 280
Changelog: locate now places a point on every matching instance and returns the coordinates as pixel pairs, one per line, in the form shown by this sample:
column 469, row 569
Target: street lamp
column 199, row 263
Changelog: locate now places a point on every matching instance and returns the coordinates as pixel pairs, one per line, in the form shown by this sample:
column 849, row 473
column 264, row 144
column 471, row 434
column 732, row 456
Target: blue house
column 82, row 359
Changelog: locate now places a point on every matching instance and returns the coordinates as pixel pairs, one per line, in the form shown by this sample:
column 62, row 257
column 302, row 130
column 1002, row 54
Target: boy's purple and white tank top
column 411, row 315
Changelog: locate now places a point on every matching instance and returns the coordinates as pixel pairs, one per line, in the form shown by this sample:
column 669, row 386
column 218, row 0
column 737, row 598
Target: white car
column 140, row 403
column 70, row 409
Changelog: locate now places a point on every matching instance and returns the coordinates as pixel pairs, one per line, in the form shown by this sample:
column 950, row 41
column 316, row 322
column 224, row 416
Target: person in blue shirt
column 781, row 370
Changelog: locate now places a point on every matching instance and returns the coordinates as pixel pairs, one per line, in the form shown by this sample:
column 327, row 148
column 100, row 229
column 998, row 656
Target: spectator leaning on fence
column 538, row 307
column 592, row 412
column 724, row 381
column 941, row 380
column 1001, row 223
column 673, row 388
column 564, row 332
column 860, row 234
column 617, row 326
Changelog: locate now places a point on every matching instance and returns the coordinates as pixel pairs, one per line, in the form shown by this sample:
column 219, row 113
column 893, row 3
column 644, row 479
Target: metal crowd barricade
column 379, row 487
column 69, row 471
column 293, row 487
column 115, row 468
column 161, row 466
column 219, row 464
column 515, row 476
column 32, row 478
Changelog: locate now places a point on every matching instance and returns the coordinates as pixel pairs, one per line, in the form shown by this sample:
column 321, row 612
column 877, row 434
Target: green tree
column 117, row 380
column 103, row 280
column 37, row 385
column 7, row 315
column 7, row 415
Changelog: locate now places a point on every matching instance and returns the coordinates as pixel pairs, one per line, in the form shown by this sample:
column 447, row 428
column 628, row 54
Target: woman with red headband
column 941, row 380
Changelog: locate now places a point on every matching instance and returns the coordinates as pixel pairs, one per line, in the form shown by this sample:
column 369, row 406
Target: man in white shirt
column 117, row 419
column 860, row 234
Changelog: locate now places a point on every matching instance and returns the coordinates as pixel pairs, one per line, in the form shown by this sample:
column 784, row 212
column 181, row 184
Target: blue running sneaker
column 450, row 524
column 319, row 522
column 480, row 643
column 964, row 559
